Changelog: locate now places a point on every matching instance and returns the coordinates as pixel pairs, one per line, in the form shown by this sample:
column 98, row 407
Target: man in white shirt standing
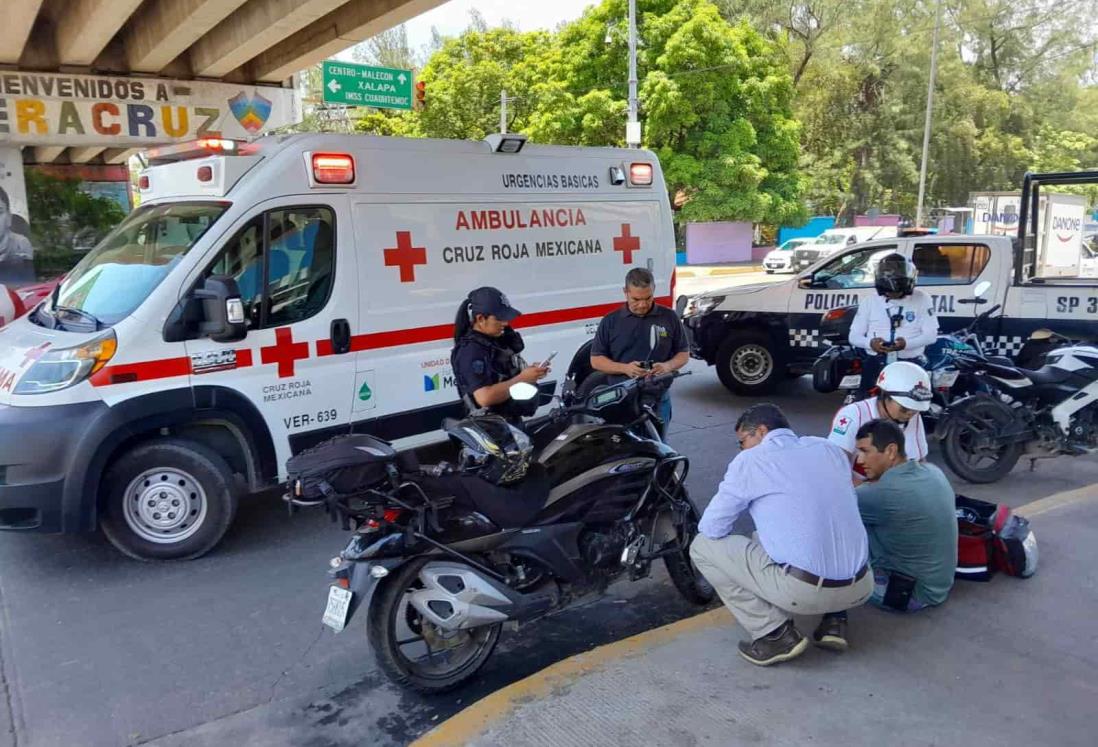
column 896, row 323
column 904, row 394
column 810, row 554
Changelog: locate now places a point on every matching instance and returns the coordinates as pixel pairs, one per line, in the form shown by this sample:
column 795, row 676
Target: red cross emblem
column 284, row 352
column 843, row 422
column 34, row 354
column 627, row 243
column 405, row 256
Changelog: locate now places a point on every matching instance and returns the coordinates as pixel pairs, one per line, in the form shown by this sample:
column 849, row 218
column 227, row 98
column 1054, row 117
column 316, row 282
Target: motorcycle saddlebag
column 344, row 465
column 990, row 538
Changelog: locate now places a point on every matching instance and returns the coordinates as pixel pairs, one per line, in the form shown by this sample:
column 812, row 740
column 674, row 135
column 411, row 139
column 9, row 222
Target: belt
column 812, row 578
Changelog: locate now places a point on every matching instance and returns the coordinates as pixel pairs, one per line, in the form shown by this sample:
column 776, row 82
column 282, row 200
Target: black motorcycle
column 442, row 556
column 1015, row 411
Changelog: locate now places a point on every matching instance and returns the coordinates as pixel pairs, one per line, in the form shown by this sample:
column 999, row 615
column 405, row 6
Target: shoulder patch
column 842, row 425
column 479, row 367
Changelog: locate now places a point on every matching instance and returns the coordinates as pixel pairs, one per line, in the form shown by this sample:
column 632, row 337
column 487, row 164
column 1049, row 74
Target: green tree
column 65, row 221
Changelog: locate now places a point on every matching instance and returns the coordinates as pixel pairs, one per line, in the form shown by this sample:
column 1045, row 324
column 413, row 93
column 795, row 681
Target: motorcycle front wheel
column 972, row 448
column 413, row 652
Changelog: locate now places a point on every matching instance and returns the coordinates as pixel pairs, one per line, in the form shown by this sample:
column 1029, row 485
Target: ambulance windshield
column 125, row 268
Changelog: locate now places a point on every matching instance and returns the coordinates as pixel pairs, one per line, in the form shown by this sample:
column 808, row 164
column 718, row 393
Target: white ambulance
column 269, row 295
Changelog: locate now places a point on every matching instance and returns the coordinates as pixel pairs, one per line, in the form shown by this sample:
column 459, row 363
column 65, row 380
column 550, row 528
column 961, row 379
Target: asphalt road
column 229, row 649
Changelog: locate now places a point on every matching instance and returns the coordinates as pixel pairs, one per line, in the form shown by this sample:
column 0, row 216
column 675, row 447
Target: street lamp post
column 632, row 127
column 929, row 115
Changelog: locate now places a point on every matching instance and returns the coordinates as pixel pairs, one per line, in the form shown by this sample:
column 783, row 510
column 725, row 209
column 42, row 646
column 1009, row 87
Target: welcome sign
column 58, row 109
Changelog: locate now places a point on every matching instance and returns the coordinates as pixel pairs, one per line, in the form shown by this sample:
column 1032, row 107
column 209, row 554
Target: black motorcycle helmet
column 896, row 274
column 499, row 451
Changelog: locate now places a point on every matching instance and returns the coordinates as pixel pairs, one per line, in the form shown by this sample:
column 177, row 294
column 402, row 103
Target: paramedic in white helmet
column 895, row 324
column 904, row 394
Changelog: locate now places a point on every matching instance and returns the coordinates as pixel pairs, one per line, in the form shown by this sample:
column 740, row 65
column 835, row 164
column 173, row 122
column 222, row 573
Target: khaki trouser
column 758, row 591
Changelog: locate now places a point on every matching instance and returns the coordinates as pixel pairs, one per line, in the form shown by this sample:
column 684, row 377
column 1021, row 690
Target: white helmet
column 906, row 383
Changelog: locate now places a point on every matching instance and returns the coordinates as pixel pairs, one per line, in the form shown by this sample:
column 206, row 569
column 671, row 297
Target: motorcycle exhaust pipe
column 457, row 597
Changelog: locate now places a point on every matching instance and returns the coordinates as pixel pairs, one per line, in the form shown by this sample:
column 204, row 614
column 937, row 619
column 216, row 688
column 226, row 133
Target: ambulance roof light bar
column 200, row 148
column 512, row 142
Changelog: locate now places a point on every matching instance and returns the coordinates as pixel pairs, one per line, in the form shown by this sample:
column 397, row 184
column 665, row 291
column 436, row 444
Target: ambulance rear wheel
column 747, row 364
column 169, row 499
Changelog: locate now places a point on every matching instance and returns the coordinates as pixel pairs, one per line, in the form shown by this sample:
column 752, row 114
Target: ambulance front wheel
column 747, row 364
column 168, row 499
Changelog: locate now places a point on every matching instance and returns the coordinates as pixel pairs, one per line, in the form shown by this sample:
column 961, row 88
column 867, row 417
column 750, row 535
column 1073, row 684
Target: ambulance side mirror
column 223, row 317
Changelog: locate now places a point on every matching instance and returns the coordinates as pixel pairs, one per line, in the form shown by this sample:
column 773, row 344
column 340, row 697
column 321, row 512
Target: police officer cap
column 491, row 302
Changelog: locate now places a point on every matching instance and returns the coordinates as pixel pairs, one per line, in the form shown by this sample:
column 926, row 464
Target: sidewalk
column 705, row 271
column 1011, row 662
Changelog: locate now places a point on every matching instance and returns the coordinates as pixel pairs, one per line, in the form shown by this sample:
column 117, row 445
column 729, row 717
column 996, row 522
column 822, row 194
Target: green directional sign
column 366, row 85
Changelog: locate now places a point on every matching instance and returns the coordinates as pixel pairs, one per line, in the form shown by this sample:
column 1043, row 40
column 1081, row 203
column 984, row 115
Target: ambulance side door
column 294, row 262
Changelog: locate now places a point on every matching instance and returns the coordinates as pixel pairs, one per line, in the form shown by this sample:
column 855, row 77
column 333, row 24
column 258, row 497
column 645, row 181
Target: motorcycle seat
column 1047, row 375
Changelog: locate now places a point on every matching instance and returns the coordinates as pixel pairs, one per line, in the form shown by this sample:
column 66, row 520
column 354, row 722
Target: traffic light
column 421, row 95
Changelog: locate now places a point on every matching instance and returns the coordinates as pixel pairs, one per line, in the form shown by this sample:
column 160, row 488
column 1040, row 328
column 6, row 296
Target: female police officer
column 486, row 359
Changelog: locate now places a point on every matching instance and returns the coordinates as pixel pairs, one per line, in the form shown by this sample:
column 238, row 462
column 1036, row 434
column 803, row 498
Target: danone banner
column 58, row 109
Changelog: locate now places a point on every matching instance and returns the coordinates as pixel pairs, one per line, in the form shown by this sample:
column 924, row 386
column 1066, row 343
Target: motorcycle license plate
column 851, row 381
column 335, row 614
column 945, row 379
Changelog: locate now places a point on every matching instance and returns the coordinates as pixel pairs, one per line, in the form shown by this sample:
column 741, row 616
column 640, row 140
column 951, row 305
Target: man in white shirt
column 904, row 394
column 897, row 322
column 811, row 551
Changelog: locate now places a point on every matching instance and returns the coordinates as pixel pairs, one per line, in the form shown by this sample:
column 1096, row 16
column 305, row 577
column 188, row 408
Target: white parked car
column 781, row 259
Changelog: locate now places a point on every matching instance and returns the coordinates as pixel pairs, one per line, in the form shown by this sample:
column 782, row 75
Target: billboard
column 74, row 110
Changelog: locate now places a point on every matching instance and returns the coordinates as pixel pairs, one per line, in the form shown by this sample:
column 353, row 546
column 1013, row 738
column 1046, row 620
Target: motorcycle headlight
column 59, row 369
column 703, row 304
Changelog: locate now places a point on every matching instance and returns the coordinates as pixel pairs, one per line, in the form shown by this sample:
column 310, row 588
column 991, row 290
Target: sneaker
column 782, row 645
column 831, row 634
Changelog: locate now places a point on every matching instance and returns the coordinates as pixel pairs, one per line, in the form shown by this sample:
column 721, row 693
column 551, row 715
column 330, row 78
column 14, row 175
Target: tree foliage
column 715, row 99
column 65, row 221
column 1012, row 94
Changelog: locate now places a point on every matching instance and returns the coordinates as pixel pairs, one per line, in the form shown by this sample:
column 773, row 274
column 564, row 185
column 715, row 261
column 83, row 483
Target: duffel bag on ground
column 991, row 538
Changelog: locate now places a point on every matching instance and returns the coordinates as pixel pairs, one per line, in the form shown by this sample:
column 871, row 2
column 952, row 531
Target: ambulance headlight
column 59, row 369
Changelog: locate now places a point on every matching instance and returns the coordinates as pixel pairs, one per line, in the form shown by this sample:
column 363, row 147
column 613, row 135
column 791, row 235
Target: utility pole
column 929, row 114
column 632, row 127
column 503, row 112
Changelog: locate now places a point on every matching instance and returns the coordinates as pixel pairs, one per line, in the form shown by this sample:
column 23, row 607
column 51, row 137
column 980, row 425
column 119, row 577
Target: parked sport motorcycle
column 442, row 556
column 1016, row 412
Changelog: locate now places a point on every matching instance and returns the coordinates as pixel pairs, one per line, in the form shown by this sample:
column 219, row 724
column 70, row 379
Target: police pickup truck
column 756, row 335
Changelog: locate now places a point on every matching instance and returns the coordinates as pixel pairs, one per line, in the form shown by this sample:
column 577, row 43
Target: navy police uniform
column 479, row 360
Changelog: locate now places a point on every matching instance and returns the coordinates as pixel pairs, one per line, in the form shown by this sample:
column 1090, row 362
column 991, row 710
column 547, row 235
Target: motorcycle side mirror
column 523, row 392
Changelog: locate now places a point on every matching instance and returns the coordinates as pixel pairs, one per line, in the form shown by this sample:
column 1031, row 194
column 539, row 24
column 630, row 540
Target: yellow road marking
column 473, row 721
column 1058, row 500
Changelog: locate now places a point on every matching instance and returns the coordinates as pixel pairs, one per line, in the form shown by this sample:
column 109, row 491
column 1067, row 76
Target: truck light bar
column 201, row 148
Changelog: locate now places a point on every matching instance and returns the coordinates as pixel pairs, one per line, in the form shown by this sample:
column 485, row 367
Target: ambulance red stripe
column 167, row 368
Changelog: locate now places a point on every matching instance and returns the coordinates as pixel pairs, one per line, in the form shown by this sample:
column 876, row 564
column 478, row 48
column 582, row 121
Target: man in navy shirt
column 641, row 332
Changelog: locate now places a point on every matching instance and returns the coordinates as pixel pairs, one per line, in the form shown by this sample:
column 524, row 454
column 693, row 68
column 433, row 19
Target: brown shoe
column 783, row 644
column 831, row 634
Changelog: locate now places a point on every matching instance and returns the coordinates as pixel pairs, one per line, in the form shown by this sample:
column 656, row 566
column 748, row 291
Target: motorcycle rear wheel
column 684, row 575
column 968, row 449
column 394, row 627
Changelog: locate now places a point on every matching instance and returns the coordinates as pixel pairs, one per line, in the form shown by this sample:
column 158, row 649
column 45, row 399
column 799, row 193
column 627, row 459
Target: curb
column 477, row 718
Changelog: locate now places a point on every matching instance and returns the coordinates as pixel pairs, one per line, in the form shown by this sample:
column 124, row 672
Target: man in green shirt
column 909, row 512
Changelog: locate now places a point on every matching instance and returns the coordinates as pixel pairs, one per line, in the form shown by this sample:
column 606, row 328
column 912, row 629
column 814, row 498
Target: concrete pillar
column 16, row 252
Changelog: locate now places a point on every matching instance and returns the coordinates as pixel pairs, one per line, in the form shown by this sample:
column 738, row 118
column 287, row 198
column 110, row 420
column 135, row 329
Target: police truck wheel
column 747, row 365
column 169, row 499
